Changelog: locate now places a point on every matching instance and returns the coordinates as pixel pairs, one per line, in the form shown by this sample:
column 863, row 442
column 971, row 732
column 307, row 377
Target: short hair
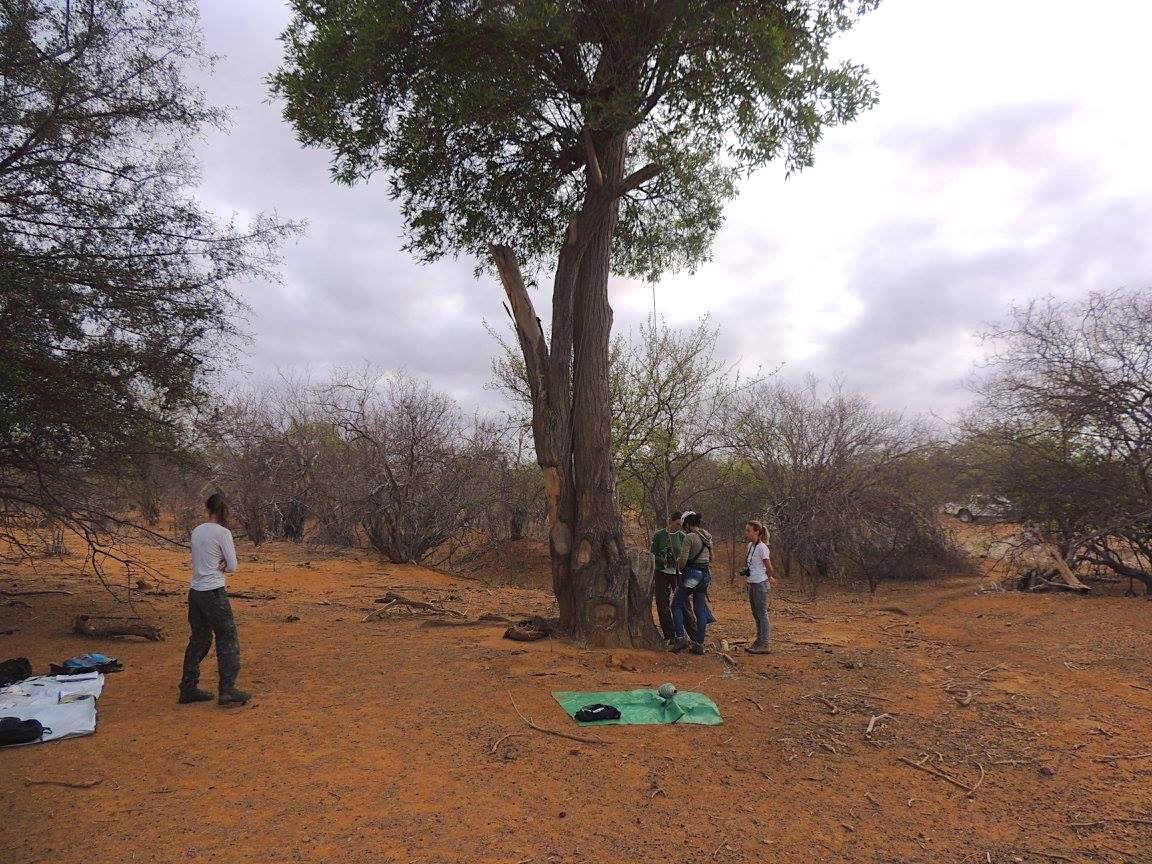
column 674, row 517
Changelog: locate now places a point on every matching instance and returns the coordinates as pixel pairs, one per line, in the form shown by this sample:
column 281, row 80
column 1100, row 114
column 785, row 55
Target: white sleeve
column 765, row 554
column 228, row 548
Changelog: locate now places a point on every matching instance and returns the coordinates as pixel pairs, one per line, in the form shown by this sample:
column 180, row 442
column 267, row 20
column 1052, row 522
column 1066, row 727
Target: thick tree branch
column 528, row 329
column 640, row 176
column 595, row 175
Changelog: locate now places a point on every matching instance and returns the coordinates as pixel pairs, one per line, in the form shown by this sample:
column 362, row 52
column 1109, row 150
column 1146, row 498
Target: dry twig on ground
column 1117, row 756
column 919, row 766
column 67, row 784
column 392, row 599
column 547, row 731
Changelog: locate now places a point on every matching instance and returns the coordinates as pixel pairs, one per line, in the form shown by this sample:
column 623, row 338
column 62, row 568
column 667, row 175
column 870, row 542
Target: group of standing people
column 684, row 550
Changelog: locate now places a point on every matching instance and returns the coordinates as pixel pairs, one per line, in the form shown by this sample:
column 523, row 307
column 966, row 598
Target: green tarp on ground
column 638, row 707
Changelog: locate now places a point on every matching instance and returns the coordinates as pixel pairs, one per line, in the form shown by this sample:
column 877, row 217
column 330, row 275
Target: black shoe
column 697, row 648
column 679, row 645
column 229, row 698
column 194, row 695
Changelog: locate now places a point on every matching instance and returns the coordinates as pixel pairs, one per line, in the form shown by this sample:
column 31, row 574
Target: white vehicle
column 979, row 507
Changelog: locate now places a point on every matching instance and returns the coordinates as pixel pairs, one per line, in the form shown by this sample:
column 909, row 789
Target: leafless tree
column 1063, row 428
column 409, row 462
column 837, row 475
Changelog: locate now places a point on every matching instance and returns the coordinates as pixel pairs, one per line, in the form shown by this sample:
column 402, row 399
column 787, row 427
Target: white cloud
column 1006, row 159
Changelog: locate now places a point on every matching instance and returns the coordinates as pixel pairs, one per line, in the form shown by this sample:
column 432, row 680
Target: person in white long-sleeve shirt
column 209, row 612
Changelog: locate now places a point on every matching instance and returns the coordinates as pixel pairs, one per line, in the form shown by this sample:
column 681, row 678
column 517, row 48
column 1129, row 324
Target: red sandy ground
column 390, row 741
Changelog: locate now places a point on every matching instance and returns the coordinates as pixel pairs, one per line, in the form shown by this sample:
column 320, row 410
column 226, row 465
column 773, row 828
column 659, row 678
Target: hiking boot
column 228, row 698
column 757, row 649
column 681, row 644
column 194, row 695
column 698, row 649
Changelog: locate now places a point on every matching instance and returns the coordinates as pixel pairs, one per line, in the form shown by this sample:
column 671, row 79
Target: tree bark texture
column 603, row 599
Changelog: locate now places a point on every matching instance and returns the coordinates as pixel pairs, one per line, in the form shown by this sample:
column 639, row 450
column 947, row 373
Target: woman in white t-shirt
column 761, row 578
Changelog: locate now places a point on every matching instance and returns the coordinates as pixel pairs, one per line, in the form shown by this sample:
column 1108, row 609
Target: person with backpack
column 694, row 563
column 761, row 577
column 209, row 612
column 666, row 546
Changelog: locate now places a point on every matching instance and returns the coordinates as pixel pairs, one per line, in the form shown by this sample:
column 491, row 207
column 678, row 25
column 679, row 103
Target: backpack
column 13, row 730
column 14, row 670
column 597, row 712
column 87, row 663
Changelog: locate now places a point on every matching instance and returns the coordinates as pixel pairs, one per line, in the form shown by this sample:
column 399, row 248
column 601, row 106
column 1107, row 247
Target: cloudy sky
column 1007, row 160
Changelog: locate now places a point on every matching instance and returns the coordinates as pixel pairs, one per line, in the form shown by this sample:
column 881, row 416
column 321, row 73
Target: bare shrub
column 841, row 484
column 1063, row 429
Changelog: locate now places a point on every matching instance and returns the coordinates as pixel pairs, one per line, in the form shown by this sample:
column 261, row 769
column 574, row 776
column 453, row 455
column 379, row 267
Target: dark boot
column 229, row 698
column 680, row 644
column 697, row 648
column 194, row 695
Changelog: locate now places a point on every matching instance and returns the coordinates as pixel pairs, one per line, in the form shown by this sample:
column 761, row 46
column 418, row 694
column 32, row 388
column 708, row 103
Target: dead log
column 1064, row 571
column 85, row 625
column 33, row 593
column 392, row 599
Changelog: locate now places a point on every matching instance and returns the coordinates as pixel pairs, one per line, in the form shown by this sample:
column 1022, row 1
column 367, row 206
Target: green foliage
column 114, row 300
column 475, row 111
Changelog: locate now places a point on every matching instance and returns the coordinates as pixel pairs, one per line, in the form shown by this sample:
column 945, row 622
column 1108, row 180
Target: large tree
column 114, row 281
column 577, row 138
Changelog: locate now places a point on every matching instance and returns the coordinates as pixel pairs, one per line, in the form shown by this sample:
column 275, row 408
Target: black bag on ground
column 14, row 670
column 594, row 713
column 13, row 730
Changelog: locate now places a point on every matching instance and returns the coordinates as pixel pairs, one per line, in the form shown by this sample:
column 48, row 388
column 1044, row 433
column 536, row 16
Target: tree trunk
column 603, row 600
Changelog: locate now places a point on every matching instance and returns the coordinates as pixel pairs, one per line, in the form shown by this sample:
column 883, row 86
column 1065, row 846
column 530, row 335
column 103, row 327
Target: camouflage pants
column 663, row 587
column 210, row 613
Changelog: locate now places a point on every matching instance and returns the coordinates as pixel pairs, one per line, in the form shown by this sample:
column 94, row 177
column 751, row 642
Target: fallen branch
column 547, row 731
column 1054, row 855
column 392, row 599
column 33, row 593
column 980, row 676
column 759, row 707
column 875, row 719
column 979, row 782
column 1131, row 820
column 78, row 784
column 1122, row 756
column 84, row 626
column 8, row 631
column 937, row 773
column 504, row 738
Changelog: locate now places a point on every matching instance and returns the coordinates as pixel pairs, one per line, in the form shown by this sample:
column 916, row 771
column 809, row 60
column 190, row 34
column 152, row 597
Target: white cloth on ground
column 66, row 704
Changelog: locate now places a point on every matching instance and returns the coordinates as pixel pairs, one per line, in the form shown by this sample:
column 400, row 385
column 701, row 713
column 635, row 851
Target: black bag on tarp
column 13, row 730
column 14, row 670
column 597, row 712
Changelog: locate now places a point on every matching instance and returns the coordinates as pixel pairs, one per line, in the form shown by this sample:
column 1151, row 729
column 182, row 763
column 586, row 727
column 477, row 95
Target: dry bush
column 844, row 485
